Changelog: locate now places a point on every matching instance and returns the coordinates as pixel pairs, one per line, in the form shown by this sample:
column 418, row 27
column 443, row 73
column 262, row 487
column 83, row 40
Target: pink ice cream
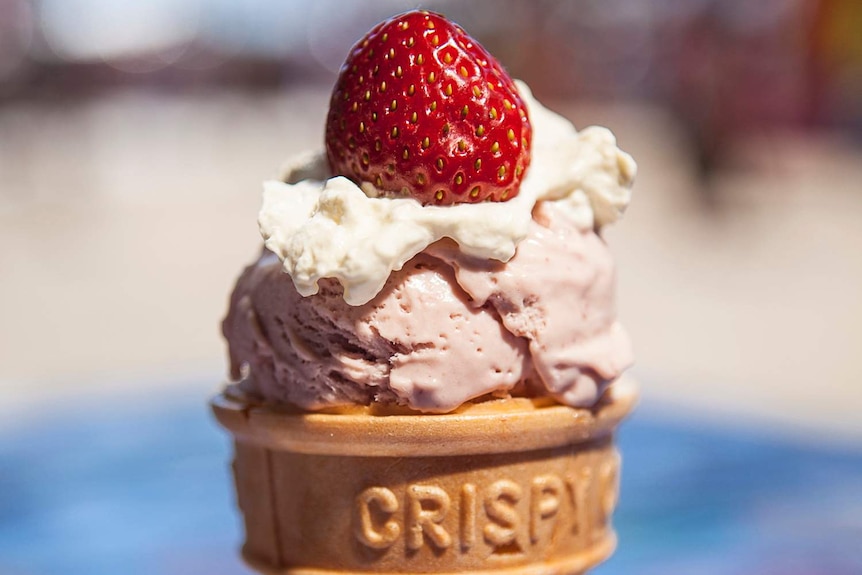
column 445, row 329
column 360, row 300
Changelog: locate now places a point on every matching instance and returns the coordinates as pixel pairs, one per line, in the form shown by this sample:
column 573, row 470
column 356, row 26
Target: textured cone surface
column 544, row 510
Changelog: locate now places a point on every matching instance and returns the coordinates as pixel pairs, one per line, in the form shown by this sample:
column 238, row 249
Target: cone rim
column 518, row 426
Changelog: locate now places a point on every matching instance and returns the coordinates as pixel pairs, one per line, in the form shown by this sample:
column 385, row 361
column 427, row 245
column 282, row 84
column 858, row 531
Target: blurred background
column 133, row 140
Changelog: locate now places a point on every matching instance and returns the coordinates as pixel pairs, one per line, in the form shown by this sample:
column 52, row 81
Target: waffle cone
column 506, row 486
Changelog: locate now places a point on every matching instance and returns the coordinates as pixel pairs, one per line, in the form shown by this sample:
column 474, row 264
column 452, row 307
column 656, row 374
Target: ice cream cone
column 505, row 486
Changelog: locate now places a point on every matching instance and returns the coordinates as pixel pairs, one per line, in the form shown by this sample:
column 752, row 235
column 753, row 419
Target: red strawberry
column 422, row 110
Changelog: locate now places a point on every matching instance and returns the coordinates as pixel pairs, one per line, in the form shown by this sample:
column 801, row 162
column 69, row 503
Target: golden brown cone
column 505, row 486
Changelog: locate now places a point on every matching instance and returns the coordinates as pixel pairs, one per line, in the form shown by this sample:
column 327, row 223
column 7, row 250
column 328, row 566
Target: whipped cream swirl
column 328, row 227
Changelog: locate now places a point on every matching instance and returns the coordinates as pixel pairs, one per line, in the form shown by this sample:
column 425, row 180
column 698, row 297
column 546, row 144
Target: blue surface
column 147, row 491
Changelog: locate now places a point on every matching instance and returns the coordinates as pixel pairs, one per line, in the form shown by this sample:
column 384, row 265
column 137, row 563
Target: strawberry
column 420, row 109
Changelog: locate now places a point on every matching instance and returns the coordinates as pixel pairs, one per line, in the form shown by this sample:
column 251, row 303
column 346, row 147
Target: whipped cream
column 328, row 227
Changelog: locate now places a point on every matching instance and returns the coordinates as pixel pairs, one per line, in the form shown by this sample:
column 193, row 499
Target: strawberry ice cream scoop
column 445, row 248
column 445, row 329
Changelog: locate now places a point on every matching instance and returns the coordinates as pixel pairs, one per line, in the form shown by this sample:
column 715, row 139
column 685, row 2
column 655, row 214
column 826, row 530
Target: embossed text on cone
column 506, row 486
